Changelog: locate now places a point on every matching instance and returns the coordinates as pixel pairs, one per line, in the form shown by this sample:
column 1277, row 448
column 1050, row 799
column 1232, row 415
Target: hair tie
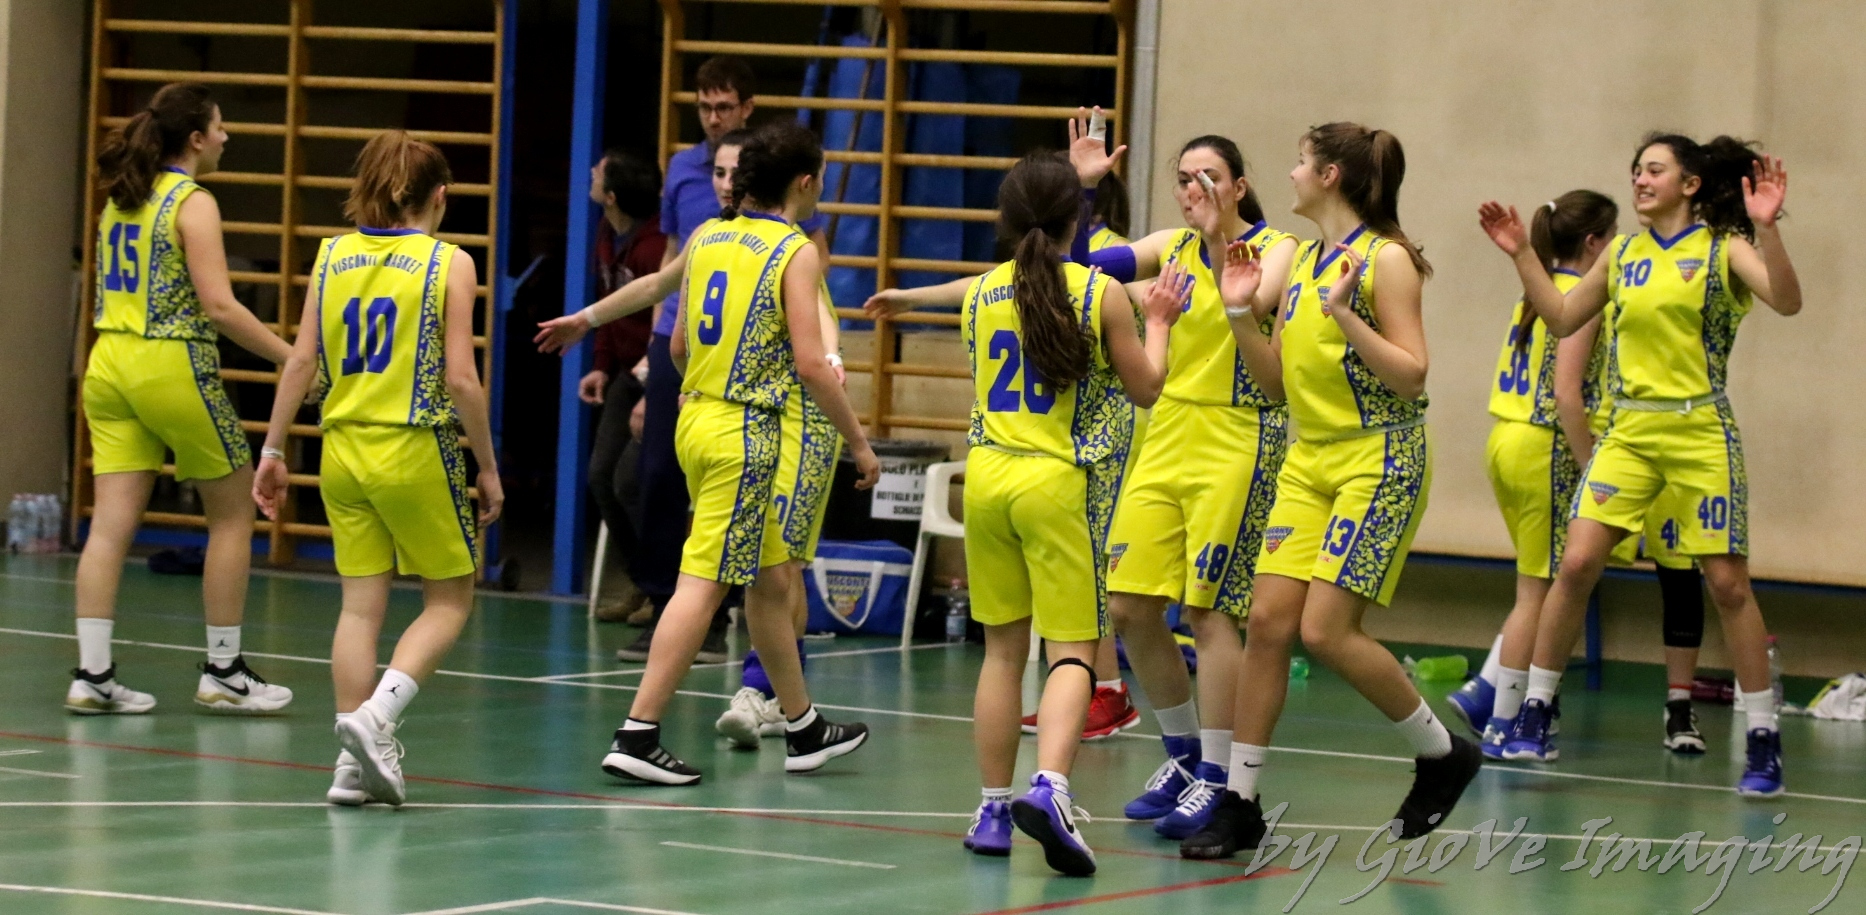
column 1550, row 205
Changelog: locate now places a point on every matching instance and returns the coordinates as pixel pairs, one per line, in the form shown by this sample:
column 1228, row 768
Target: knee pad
column 1076, row 662
column 1681, row 591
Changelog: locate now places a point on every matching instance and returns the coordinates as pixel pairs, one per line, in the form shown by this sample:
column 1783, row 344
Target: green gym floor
column 182, row 812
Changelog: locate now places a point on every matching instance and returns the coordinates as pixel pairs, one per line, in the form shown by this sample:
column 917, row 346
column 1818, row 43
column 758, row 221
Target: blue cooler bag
column 858, row 586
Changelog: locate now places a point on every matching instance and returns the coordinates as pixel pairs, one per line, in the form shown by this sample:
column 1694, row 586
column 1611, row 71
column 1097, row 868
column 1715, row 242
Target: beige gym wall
column 1521, row 101
column 41, row 166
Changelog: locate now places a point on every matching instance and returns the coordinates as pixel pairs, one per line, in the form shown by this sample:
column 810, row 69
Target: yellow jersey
column 1332, row 393
column 382, row 314
column 1672, row 314
column 143, row 286
column 1203, row 365
column 1013, row 408
column 1524, row 386
column 738, row 342
column 1100, row 236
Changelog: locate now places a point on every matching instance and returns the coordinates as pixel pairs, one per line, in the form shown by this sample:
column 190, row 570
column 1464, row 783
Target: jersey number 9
column 1003, row 398
column 712, row 309
column 369, row 338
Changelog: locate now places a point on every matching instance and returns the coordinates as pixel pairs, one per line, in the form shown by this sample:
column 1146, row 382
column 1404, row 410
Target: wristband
column 272, row 453
column 589, row 316
column 1244, row 312
column 835, row 359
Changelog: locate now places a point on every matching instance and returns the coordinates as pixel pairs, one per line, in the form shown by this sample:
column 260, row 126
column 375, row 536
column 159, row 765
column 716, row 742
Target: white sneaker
column 750, row 717
column 101, row 694
column 371, row 742
column 346, row 787
column 236, row 688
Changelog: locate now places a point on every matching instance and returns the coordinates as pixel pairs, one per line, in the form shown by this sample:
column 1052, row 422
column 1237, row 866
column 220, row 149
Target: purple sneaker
column 1531, row 738
column 1196, row 805
column 1762, row 774
column 1047, row 813
column 990, row 834
column 1472, row 701
column 1168, row 782
column 1496, row 734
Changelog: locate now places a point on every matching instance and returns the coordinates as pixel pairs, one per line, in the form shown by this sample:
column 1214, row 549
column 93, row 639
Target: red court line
column 1140, row 893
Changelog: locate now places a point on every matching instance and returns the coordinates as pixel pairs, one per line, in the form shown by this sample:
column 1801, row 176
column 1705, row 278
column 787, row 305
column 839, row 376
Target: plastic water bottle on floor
column 19, row 525
column 1448, row 667
column 1299, row 668
column 50, row 522
column 1775, row 672
column 958, row 612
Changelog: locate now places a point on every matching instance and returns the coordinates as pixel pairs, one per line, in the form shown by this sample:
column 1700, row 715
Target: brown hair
column 395, row 176
column 1720, row 166
column 1037, row 204
column 1112, row 208
column 129, row 159
column 772, row 157
column 1559, row 231
column 1250, row 209
column 726, row 73
column 1372, row 165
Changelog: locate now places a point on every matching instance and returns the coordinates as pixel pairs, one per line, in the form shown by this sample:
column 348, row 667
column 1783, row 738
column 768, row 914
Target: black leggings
column 1682, row 592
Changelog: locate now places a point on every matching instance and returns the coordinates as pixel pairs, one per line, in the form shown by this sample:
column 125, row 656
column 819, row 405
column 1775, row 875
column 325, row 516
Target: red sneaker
column 1029, row 724
column 1110, row 712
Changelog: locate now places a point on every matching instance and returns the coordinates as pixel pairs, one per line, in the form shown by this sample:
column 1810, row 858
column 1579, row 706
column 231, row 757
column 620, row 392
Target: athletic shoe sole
column 1685, row 746
column 1058, row 852
column 987, row 851
column 346, row 797
column 810, row 762
column 1464, row 717
column 106, row 708
column 1530, row 756
column 1103, row 734
column 376, row 780
column 742, row 730
column 1778, row 791
column 234, row 705
column 622, row 765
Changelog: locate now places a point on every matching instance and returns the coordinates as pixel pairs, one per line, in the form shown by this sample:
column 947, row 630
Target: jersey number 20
column 1003, row 398
column 369, row 337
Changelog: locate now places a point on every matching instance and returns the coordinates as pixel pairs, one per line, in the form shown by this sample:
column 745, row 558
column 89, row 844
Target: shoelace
column 1196, row 795
column 1164, row 775
column 746, row 700
column 1761, row 755
column 389, row 746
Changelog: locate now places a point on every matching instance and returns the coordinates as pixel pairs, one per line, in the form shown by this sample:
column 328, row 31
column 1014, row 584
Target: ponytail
column 395, row 177
column 1373, row 165
column 1037, row 204
column 129, row 158
column 1559, row 231
column 1720, row 167
column 772, row 157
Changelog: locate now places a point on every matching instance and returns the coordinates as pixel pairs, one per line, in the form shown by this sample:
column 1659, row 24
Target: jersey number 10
column 369, row 337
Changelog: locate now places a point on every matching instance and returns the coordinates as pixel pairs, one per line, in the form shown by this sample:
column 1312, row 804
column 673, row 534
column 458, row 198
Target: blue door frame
column 573, row 417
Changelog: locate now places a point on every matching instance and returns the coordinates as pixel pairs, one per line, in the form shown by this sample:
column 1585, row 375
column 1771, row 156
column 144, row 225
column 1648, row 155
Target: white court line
column 55, row 581
column 12, row 771
column 784, row 855
column 587, row 805
column 891, row 649
column 173, row 900
column 20, row 752
column 545, row 900
column 963, row 719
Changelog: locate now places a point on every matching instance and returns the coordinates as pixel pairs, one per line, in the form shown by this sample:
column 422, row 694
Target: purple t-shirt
column 687, row 200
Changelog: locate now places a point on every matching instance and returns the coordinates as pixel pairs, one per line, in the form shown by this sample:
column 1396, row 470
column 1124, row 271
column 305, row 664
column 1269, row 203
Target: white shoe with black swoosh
column 237, row 689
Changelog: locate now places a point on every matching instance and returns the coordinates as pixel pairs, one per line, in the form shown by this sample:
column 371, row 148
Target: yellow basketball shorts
column 397, row 499
column 144, row 398
column 1192, row 512
column 729, row 452
column 807, row 454
column 1346, row 511
column 1031, row 545
column 1534, row 476
column 1692, row 460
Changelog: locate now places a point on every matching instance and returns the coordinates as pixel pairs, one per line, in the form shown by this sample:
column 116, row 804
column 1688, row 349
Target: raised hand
column 559, row 334
column 887, row 303
column 1089, row 155
column 1504, row 227
column 1169, row 296
column 1242, row 274
column 1206, row 216
column 1765, row 190
column 1341, row 295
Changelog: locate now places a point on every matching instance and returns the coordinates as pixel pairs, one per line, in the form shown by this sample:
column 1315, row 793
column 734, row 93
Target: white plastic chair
column 936, row 520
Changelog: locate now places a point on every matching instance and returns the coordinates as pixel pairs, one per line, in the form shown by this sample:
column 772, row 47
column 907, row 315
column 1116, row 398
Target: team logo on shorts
column 1602, row 492
column 1115, row 552
column 1274, row 537
column 1689, row 267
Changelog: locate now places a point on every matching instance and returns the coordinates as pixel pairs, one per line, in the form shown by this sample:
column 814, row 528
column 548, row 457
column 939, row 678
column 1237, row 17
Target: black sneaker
column 639, row 755
column 1236, row 825
column 1681, row 728
column 638, row 650
column 808, row 749
column 713, row 650
column 1436, row 786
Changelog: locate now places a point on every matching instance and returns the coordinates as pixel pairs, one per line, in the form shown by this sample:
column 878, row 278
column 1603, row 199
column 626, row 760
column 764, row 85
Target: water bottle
column 1775, row 672
column 37, row 524
column 1299, row 668
column 1448, row 668
column 49, row 516
column 958, row 612
column 18, row 520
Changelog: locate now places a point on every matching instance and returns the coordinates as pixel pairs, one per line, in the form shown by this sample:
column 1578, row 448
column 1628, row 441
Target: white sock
column 392, row 695
column 1679, row 693
column 94, row 644
column 1181, row 720
column 1116, row 684
column 636, row 724
column 1491, row 663
column 1215, row 746
column 803, row 721
column 223, row 645
column 1511, row 685
column 1429, row 739
column 1058, row 780
column 1543, row 684
column 1760, row 707
column 1246, row 762
column 999, row 795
